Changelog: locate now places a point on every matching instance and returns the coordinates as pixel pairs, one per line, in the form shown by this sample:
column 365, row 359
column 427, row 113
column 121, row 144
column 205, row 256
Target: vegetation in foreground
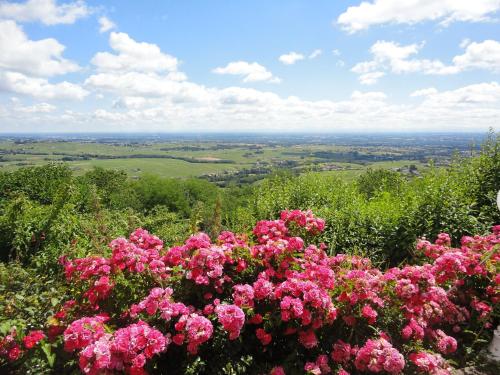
column 277, row 305
column 47, row 212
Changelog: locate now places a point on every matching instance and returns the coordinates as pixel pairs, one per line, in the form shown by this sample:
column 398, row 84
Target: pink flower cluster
column 232, row 319
column 83, row 332
column 203, row 261
column 430, row 363
column 194, row 329
column 160, row 300
column 304, row 219
column 140, row 253
column 319, row 367
column 191, row 327
column 9, row 348
column 270, row 230
column 86, row 268
column 342, row 352
column 128, row 349
column 305, row 300
column 197, row 294
column 378, row 356
column 129, row 256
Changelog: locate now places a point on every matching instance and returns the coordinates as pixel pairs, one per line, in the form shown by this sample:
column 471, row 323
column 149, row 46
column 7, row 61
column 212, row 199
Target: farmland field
column 237, row 157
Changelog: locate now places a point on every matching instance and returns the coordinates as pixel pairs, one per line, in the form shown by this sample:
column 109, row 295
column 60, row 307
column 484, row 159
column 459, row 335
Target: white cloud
column 395, row 58
column 474, row 108
column 36, row 108
column 484, row 55
column 424, row 92
column 142, row 70
column 477, row 95
column 34, row 57
column 142, row 89
column 291, row 58
column 377, row 12
column 105, row 24
column 336, row 52
column 26, row 65
column 47, row 12
column 251, row 72
column 315, row 53
column 148, row 85
column 132, row 55
column 370, row 78
column 40, row 88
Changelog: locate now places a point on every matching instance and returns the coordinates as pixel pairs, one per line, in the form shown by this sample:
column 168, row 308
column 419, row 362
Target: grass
column 13, row 156
column 161, row 167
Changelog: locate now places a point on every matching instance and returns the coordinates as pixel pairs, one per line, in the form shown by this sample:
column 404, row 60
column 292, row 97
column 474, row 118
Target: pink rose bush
column 280, row 301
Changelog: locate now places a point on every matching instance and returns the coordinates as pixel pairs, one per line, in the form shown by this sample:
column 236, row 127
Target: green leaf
column 51, row 357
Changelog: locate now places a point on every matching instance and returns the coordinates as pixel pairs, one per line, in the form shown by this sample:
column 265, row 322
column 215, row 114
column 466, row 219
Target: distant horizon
column 302, row 133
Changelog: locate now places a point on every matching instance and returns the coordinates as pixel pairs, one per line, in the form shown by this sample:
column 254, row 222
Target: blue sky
column 227, row 65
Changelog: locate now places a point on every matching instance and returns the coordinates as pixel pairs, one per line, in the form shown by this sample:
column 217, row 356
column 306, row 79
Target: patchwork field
column 241, row 158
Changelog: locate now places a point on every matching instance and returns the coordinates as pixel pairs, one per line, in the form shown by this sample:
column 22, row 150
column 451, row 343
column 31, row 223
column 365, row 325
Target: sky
column 249, row 66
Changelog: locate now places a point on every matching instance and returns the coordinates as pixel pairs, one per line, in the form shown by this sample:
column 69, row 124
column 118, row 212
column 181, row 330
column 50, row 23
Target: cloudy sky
column 261, row 65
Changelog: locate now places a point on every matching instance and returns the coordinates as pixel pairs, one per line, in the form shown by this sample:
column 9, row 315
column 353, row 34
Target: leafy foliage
column 276, row 303
column 47, row 212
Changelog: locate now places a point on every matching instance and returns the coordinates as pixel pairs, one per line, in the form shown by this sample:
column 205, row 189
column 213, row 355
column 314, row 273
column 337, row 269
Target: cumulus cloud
column 251, row 72
column 486, row 95
column 105, row 24
column 378, row 12
column 26, row 65
column 34, row 57
column 144, row 89
column 148, row 85
column 482, row 55
column 40, row 88
column 291, row 58
column 395, row 58
column 132, row 55
column 48, row 12
column 141, row 69
column 474, row 107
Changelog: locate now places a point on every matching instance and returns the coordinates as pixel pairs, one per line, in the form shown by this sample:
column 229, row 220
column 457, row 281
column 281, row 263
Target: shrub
column 38, row 183
column 274, row 303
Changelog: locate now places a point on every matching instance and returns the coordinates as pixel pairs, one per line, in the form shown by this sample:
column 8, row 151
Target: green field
column 216, row 161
